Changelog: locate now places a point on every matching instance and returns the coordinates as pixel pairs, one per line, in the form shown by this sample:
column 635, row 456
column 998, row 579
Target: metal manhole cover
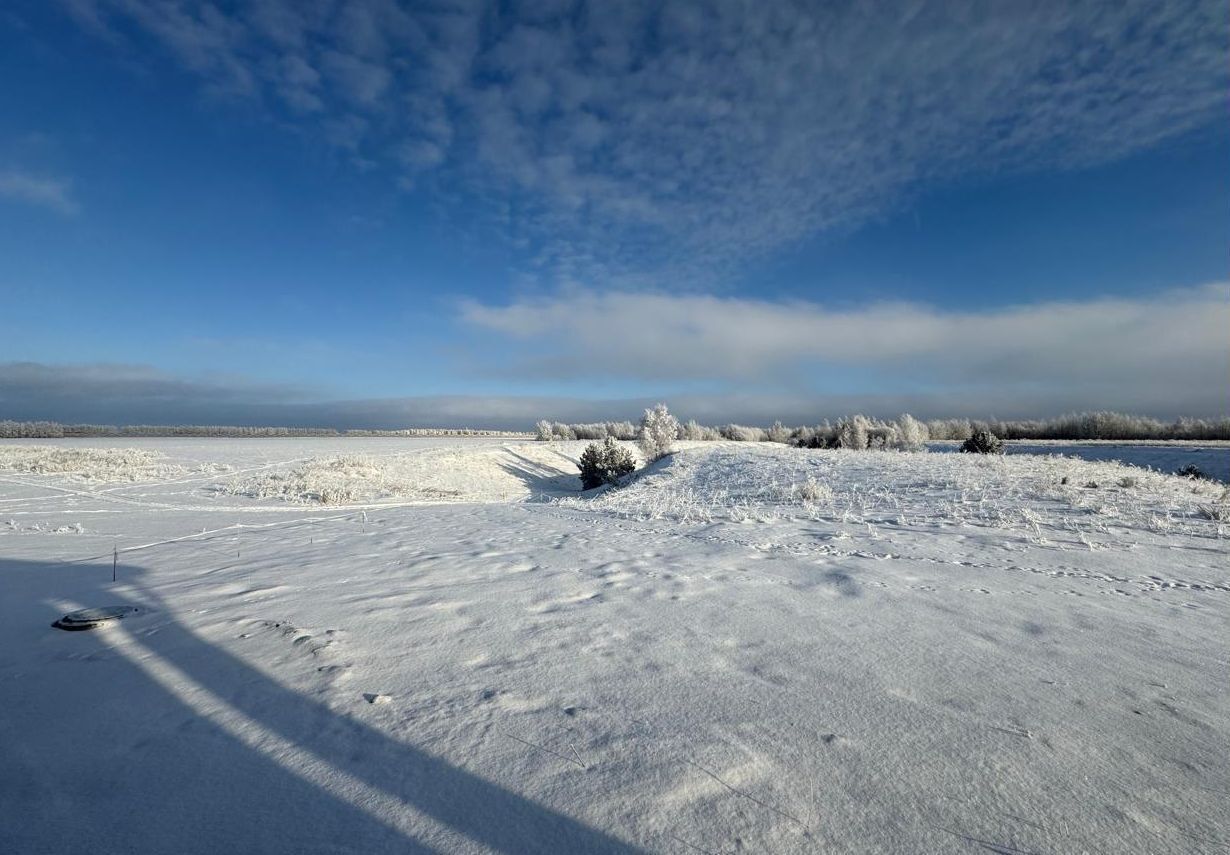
column 90, row 618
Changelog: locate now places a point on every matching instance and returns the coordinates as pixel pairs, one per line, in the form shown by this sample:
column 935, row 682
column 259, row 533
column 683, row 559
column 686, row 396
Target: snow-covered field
column 1210, row 457
column 441, row 646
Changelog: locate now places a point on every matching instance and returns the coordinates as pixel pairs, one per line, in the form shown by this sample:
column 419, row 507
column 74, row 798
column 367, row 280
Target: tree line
column 907, row 432
column 902, row 432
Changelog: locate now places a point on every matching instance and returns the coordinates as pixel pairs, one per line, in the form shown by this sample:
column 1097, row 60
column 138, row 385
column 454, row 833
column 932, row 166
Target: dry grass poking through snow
column 339, row 480
column 1017, row 492
column 90, row 464
column 482, row 474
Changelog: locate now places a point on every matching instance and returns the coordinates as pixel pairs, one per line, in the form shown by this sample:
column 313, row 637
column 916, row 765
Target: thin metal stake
column 115, row 560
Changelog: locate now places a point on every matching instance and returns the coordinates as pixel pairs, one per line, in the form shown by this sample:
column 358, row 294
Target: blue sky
column 378, row 213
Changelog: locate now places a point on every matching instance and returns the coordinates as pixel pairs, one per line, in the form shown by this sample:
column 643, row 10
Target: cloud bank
column 1169, row 352
column 755, row 361
column 642, row 142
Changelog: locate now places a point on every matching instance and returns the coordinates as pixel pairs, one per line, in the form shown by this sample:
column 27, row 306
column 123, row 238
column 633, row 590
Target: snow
column 92, row 464
column 1211, row 457
column 417, row 645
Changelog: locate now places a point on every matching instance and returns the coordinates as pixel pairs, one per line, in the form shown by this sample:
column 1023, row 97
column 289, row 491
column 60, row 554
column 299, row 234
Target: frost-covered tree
column 543, row 431
column 589, row 431
column 742, row 433
column 852, row 432
column 692, row 431
column 778, row 433
column 658, row 432
column 949, row 429
column 604, row 464
column 621, row 430
column 883, row 436
column 911, row 433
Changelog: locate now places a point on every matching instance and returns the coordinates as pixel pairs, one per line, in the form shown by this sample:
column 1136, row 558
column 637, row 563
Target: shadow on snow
column 96, row 754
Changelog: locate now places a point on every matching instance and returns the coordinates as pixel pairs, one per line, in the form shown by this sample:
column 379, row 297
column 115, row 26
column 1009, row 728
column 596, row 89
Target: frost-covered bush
column 859, row 432
column 911, row 433
column 778, row 433
column 823, row 435
column 852, row 432
column 742, row 433
column 543, row 431
column 563, row 431
column 621, row 430
column 983, row 442
column 812, row 490
column 959, row 429
column 816, row 439
column 883, row 436
column 658, row 432
column 604, row 464
column 695, row 432
column 691, row 431
column 1194, row 472
column 589, row 431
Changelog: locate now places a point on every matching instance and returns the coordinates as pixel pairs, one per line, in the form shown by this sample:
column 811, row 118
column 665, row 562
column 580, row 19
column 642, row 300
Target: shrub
column 812, row 491
column 983, row 442
column 621, row 430
column 589, row 431
column 604, row 464
column 821, row 436
column 741, row 433
column 911, row 433
column 543, row 432
column 658, row 432
column 778, row 433
column 852, row 432
column 692, row 431
column 1194, row 472
column 883, row 436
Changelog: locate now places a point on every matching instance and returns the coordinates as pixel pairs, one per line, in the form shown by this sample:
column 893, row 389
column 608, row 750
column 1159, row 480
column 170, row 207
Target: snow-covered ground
column 441, row 646
column 1210, row 457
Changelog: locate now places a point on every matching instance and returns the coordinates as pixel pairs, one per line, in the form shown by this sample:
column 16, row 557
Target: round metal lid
column 90, row 618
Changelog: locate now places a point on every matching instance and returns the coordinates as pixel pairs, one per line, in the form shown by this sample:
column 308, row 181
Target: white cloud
column 650, row 142
column 1170, row 351
column 44, row 191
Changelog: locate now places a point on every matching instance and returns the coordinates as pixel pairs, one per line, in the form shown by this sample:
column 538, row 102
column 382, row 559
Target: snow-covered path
column 749, row 649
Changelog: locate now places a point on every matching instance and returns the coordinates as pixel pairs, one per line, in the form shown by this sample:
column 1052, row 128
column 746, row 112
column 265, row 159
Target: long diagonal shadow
column 485, row 812
column 96, row 754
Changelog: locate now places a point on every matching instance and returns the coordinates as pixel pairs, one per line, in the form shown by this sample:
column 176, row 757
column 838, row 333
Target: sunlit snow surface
column 410, row 645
